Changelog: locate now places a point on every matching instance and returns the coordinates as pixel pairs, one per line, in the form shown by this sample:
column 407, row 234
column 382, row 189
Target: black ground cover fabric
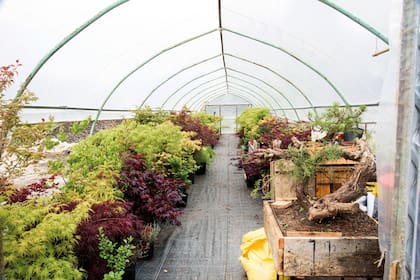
column 219, row 211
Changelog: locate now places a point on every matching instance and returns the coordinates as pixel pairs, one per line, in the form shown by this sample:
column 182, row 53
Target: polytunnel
column 104, row 59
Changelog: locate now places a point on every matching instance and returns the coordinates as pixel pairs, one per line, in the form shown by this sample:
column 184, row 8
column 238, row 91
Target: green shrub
column 338, row 119
column 248, row 121
column 38, row 241
column 212, row 121
column 204, row 155
column 95, row 161
column 148, row 116
column 166, row 148
column 306, row 163
column 116, row 255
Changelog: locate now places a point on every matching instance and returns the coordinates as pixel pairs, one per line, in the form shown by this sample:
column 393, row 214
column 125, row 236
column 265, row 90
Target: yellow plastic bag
column 256, row 257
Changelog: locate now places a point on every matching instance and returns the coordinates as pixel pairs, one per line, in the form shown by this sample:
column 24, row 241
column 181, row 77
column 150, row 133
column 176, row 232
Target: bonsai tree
column 338, row 119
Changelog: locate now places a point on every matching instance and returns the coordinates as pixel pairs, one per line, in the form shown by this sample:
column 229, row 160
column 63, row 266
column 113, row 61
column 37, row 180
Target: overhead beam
column 278, row 75
column 63, row 42
column 221, row 41
column 181, row 98
column 189, row 82
column 241, row 95
column 295, row 57
column 174, row 75
column 140, row 66
column 357, row 20
column 254, row 85
column 202, row 94
column 241, row 88
column 244, row 98
column 267, row 84
column 233, row 56
column 202, row 90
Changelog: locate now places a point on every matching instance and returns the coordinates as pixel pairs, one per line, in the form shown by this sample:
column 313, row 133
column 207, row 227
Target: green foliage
column 117, row 256
column 150, row 232
column 61, row 135
column 78, row 127
column 38, row 241
column 165, row 148
column 20, row 143
column 95, row 161
column 306, row 163
column 262, row 186
column 55, row 166
column 338, row 119
column 249, row 119
column 204, row 155
column 148, row 116
column 212, row 121
column 99, row 150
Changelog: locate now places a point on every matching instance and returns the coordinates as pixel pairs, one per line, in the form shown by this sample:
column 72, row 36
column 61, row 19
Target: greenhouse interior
column 225, row 139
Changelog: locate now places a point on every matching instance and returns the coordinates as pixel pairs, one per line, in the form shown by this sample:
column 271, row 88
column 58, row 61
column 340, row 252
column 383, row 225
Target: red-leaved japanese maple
column 282, row 129
column 154, row 196
column 118, row 223
column 184, row 119
column 23, row 194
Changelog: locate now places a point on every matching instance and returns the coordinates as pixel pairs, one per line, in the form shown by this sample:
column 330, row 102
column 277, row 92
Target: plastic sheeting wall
column 398, row 151
column 290, row 56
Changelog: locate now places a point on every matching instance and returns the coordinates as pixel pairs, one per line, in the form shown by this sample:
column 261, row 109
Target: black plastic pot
column 191, row 177
column 201, row 170
column 352, row 134
column 148, row 254
column 184, row 196
column 130, row 272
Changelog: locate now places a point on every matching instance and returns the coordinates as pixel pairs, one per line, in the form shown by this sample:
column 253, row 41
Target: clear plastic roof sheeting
column 290, row 56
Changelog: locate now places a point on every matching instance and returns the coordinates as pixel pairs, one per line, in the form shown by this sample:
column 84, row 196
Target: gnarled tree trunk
column 341, row 201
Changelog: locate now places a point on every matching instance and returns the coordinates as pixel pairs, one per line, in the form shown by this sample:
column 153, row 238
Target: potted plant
column 203, row 158
column 148, row 236
column 248, row 120
column 116, row 255
column 118, row 224
column 338, row 119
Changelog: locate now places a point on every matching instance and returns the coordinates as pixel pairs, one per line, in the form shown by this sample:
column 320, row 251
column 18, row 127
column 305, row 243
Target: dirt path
column 219, row 212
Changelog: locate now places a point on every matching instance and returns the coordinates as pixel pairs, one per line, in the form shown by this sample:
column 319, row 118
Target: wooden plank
column 314, row 233
column 275, row 237
column 331, row 256
column 340, row 161
column 283, row 185
column 281, row 204
column 322, row 189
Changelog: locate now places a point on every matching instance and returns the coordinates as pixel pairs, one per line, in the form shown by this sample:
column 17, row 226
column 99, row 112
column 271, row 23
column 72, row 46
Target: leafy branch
column 117, row 256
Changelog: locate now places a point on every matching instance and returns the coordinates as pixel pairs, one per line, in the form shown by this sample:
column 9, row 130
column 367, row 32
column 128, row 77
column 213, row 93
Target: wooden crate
column 282, row 185
column 319, row 253
column 331, row 175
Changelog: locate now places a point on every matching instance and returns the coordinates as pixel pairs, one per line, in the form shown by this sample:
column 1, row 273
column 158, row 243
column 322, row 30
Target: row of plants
column 257, row 125
column 121, row 185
